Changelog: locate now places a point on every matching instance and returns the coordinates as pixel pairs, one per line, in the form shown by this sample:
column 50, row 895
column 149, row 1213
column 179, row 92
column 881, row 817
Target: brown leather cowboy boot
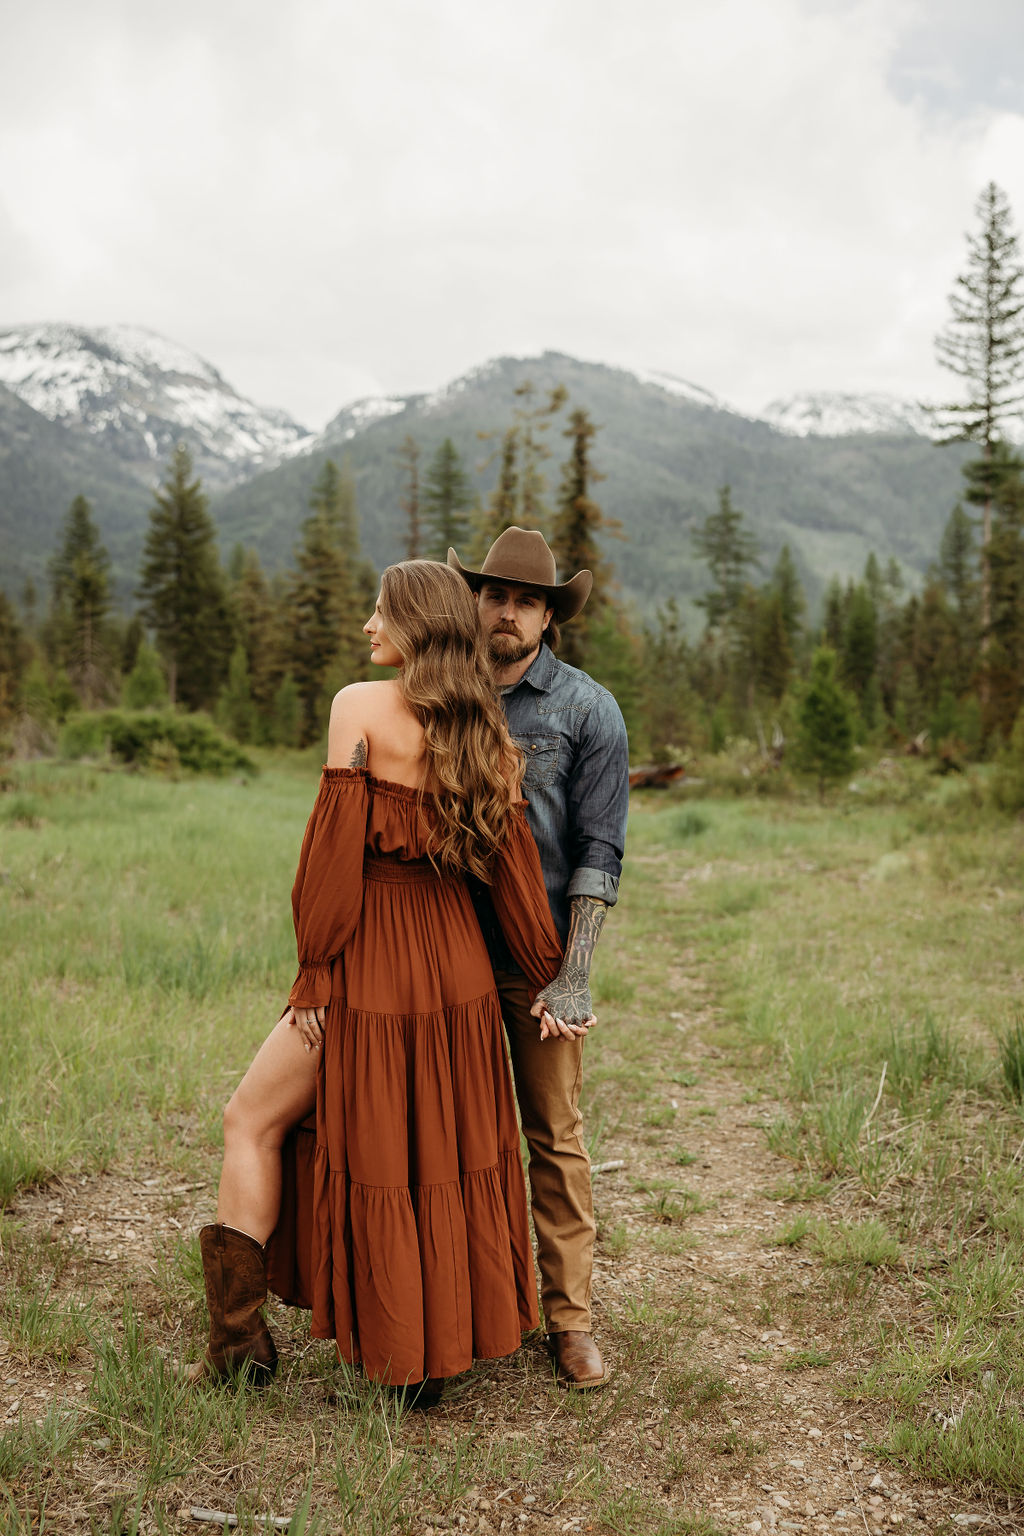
column 236, row 1288
column 578, row 1363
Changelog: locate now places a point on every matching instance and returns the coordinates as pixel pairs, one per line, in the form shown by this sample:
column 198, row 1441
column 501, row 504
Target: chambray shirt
column 576, row 784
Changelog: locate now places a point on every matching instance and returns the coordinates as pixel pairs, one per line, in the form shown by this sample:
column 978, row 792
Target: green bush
column 158, row 741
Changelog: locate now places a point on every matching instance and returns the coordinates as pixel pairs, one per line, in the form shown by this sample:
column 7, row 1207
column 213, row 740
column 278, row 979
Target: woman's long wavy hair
column 472, row 764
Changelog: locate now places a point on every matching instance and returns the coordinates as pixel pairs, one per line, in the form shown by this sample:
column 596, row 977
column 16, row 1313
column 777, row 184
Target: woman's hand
column 310, row 1024
column 559, row 1029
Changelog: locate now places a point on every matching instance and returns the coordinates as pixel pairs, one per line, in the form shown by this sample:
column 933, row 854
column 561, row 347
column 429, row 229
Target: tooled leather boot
column 235, row 1272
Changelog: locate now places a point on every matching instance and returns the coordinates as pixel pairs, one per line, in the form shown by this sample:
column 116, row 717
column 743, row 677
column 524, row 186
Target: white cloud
column 333, row 199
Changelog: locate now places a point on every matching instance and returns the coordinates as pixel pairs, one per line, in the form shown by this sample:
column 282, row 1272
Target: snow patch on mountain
column 844, row 415
column 143, row 393
column 696, row 394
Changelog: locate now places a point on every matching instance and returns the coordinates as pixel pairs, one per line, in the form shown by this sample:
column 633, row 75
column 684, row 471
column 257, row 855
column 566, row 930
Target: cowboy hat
column 521, row 556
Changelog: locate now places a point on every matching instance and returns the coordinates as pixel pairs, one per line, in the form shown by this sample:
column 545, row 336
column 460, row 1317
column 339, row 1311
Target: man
column 576, row 783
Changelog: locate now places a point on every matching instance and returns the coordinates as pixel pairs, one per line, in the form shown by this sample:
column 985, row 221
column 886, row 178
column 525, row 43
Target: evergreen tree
column 730, row 550
column 260, row 620
column 287, row 717
column 834, row 624
column 502, row 505
column 670, row 705
column 181, row 589
column 860, row 642
column 786, row 583
column 145, row 687
column 574, row 538
column 1004, row 663
column 825, row 724
column 771, row 647
column 319, row 606
column 983, row 344
column 80, row 585
column 235, row 708
column 409, row 459
column 446, row 500
column 333, row 497
column 14, row 658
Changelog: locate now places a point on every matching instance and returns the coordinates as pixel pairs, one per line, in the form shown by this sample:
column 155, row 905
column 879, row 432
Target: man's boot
column 235, row 1272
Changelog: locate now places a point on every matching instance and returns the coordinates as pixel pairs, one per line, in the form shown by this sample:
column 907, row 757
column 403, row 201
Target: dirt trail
column 783, row 1450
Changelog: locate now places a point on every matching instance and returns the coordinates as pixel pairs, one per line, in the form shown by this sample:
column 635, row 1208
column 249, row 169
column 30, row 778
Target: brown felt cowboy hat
column 520, row 555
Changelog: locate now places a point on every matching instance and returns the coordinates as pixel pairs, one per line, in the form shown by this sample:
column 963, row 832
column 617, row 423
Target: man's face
column 513, row 619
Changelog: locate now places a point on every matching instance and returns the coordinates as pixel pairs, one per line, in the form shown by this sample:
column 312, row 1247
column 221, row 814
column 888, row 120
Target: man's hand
column 564, row 1007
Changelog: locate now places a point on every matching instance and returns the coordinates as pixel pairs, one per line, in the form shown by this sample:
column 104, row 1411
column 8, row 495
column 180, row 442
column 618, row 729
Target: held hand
column 310, row 1024
column 564, row 1006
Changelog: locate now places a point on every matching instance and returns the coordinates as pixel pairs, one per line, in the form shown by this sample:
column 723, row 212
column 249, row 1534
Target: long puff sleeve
column 521, row 904
column 328, row 892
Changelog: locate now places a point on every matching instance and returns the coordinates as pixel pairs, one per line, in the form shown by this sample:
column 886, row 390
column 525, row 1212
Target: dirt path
column 718, row 1412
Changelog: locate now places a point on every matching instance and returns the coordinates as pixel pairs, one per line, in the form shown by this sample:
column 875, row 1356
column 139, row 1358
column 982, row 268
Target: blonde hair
column 472, row 765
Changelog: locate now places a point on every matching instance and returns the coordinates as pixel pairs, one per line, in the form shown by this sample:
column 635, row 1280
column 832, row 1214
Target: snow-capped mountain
column 351, row 419
column 844, row 415
column 140, row 394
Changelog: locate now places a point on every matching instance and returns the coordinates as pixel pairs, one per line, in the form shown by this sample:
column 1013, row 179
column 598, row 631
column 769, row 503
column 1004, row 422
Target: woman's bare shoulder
column 373, row 695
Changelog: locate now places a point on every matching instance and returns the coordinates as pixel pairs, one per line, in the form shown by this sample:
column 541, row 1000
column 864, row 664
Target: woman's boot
column 235, row 1271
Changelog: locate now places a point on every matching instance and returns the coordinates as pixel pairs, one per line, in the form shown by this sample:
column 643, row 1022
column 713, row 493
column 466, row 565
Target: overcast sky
column 329, row 199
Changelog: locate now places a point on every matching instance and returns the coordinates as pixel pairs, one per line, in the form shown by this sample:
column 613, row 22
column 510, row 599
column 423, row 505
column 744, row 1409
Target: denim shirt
column 576, row 784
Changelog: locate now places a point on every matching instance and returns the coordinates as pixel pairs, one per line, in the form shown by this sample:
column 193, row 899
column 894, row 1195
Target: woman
column 403, row 1222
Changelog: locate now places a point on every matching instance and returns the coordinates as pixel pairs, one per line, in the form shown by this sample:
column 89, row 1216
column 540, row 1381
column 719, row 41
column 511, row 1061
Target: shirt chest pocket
column 541, row 753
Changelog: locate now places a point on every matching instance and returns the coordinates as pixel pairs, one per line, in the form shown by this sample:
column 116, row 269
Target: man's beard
column 505, row 649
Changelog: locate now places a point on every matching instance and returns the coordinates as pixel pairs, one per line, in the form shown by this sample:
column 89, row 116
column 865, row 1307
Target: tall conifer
column 80, row 583
column 182, row 590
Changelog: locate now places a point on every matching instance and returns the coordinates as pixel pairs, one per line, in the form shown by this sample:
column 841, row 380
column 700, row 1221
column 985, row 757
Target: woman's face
column 383, row 651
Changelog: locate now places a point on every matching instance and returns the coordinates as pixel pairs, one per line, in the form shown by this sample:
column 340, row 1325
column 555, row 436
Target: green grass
column 854, row 966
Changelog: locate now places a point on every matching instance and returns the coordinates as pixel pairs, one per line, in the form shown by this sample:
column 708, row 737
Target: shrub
column 151, row 740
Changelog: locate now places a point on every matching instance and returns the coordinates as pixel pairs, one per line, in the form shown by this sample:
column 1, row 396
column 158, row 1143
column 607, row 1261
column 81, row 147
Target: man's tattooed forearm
column 568, row 996
column 586, row 919
column 358, row 754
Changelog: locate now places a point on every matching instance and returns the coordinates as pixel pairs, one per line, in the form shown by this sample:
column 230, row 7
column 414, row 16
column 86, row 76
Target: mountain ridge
column 665, row 447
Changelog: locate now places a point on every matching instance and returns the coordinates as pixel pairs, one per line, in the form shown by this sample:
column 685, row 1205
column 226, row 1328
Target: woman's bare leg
column 277, row 1092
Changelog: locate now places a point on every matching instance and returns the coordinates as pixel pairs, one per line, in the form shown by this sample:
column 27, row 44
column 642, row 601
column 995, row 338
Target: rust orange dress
column 403, row 1221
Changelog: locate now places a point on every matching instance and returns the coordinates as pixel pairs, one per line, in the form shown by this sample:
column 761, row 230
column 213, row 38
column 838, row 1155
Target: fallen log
column 655, row 775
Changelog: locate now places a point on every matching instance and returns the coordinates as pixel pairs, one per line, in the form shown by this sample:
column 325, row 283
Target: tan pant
column 548, row 1076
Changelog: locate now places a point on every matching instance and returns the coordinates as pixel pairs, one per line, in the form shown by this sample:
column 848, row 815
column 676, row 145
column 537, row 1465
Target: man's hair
column 552, row 636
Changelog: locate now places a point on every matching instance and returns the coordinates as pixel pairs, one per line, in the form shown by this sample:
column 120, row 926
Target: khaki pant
column 548, row 1076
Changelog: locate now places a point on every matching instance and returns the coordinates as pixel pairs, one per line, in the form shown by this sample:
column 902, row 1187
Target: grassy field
column 810, row 1064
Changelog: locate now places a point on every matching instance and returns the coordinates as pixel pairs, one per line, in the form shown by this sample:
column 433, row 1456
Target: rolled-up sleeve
column 598, row 802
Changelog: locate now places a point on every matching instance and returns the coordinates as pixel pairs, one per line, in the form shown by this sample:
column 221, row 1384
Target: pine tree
column 446, row 500
column 145, row 687
column 14, row 658
column 80, row 586
column 235, row 708
column 670, row 705
column 319, row 607
column 260, row 618
column 983, row 344
column 1004, row 663
column 574, row 538
column 730, row 550
column 502, row 505
column 825, row 724
column 860, row 642
column 786, row 583
column 182, row 590
column 409, row 459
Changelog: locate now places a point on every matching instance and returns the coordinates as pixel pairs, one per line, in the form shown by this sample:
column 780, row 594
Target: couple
column 371, row 1159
